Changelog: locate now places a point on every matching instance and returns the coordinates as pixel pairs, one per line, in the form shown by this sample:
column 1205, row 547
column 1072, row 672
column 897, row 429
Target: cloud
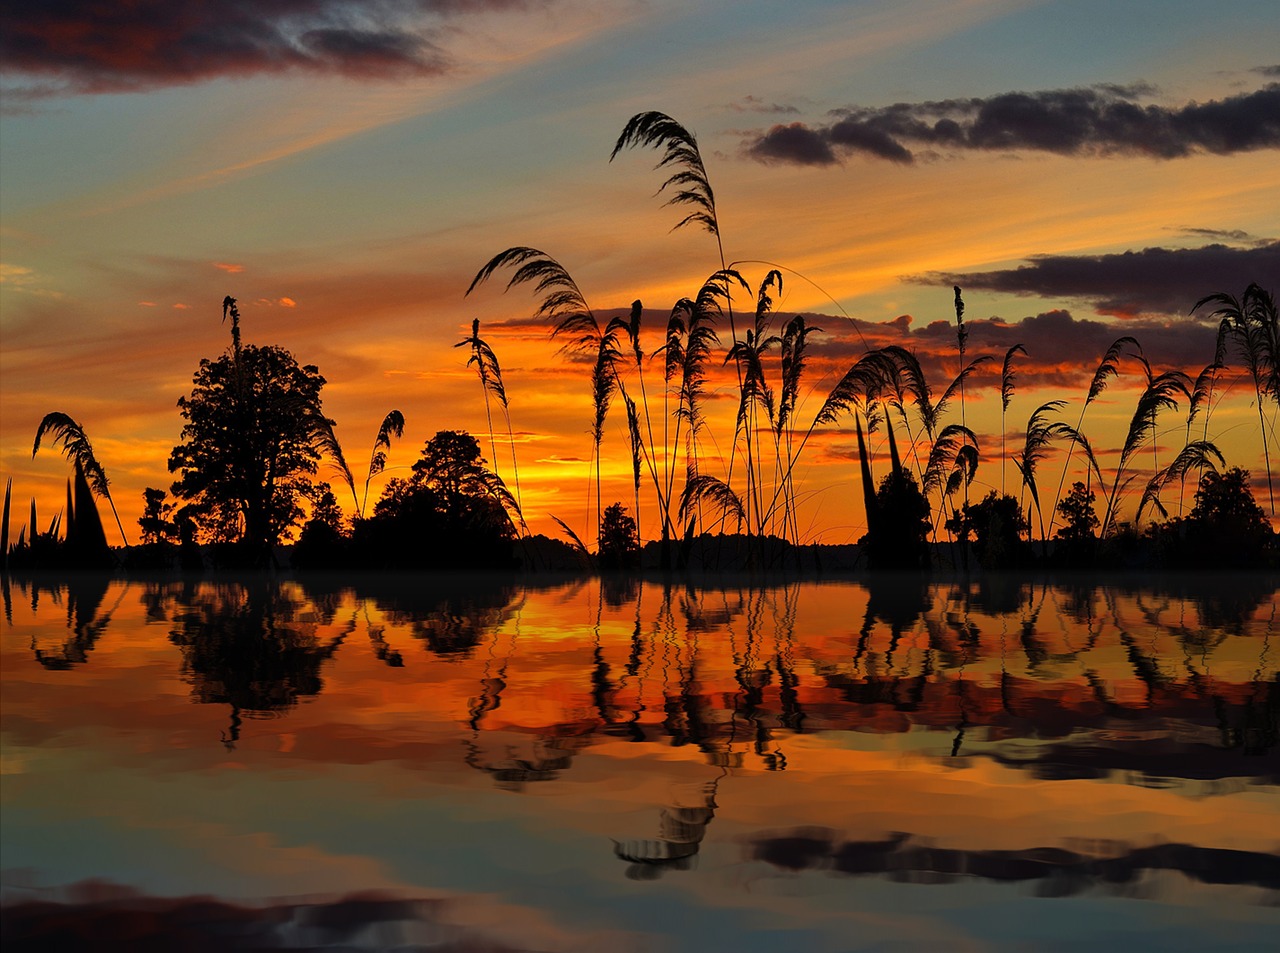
column 25, row 280
column 1237, row 235
column 1062, row 350
column 754, row 104
column 795, row 143
column 1094, row 121
column 228, row 267
column 90, row 47
column 1150, row 281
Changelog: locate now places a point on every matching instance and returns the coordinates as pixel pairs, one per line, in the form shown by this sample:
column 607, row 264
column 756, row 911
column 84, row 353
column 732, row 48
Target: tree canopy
column 452, row 513
column 249, row 444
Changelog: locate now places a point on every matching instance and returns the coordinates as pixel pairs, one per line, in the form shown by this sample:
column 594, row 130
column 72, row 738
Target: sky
column 1083, row 170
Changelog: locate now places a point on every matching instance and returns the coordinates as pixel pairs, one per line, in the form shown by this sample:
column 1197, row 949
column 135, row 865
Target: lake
column 583, row 765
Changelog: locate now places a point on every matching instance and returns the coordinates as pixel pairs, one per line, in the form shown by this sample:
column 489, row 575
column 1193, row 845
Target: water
column 631, row 767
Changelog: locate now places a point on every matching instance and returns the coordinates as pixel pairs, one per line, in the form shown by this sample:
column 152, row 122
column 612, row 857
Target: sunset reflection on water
column 1002, row 764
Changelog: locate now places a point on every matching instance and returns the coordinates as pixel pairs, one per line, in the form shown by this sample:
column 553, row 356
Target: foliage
column 1226, row 529
column 248, row 445
column 322, row 542
column 688, row 183
column 453, row 513
column 897, row 538
column 997, row 526
column 1080, row 521
column 1252, row 322
column 157, row 527
column 76, row 446
column 619, row 542
column 1226, row 520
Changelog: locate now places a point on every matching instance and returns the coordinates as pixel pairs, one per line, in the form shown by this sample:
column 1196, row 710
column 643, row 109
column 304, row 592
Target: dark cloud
column 1236, row 235
column 1267, row 70
column 90, row 46
column 1095, row 121
column 795, row 143
column 1150, row 281
column 1062, row 351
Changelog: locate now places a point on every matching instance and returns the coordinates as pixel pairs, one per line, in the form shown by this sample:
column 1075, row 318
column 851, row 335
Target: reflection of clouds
column 122, row 918
column 1057, row 871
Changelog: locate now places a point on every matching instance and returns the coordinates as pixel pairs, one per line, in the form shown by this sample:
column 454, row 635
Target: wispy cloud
column 1093, row 121
column 84, row 46
column 754, row 104
column 1150, row 281
column 26, row 280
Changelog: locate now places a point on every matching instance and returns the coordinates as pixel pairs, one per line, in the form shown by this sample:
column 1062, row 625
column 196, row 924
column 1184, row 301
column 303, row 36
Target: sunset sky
column 1083, row 169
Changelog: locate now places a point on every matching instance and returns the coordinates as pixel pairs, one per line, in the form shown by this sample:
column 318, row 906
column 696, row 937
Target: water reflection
column 1057, row 871
column 246, row 646
column 1000, row 731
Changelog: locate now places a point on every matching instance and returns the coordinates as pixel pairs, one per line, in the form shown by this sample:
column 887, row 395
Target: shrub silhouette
column 451, row 514
column 997, row 526
column 619, row 541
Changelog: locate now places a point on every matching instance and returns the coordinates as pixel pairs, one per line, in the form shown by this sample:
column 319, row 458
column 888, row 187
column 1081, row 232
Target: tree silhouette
column 248, row 445
column 453, row 513
column 997, row 526
column 619, row 542
column 156, row 525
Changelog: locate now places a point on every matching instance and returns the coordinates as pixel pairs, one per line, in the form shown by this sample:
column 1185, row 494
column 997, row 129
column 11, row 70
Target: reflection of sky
column 365, row 784
column 349, row 216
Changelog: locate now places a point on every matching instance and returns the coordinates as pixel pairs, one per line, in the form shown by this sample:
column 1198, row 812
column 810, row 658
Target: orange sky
column 347, row 205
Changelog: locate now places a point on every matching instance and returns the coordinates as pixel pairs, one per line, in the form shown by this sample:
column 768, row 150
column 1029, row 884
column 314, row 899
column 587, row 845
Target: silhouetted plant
column 250, row 440
column 1080, row 520
column 1108, row 368
column 76, row 447
column 4, row 525
column 997, row 525
column 1251, row 321
column 1160, row 394
column 1228, row 525
column 899, row 538
column 1007, row 376
column 452, row 513
column 156, row 525
column 1199, row 455
column 322, row 544
column 489, row 372
column 619, row 541
column 1041, row 432
column 564, row 306
column 392, row 426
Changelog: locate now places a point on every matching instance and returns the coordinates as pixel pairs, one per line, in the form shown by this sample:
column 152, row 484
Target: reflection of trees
column 550, row 752
column 451, row 614
column 242, row 646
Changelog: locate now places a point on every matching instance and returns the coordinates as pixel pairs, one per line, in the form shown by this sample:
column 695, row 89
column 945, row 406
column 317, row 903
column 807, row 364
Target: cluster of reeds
column 752, row 488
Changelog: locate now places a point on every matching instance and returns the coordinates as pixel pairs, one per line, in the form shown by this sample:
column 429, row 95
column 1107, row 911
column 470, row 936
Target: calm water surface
column 825, row 766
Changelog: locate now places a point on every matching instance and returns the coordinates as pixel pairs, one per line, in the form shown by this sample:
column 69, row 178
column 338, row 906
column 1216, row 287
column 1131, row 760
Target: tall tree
column 253, row 420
